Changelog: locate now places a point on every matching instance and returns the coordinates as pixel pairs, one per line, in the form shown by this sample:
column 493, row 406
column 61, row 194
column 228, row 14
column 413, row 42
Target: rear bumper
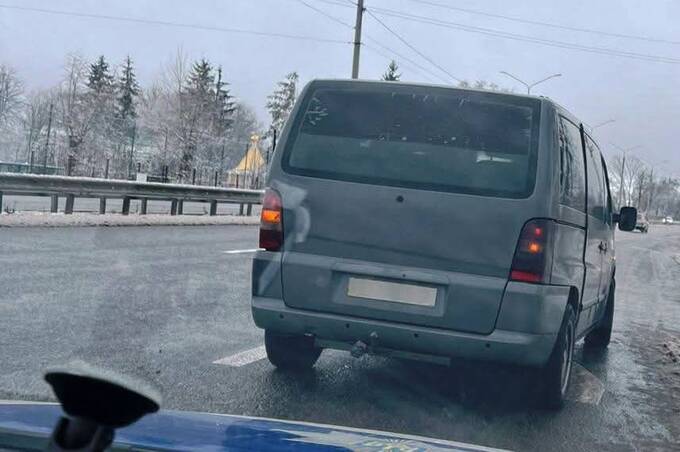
column 531, row 349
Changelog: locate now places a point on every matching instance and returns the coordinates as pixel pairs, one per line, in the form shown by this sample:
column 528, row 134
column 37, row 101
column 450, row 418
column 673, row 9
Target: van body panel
column 567, row 269
column 464, row 302
column 266, row 275
column 511, row 347
column 532, row 308
column 418, row 235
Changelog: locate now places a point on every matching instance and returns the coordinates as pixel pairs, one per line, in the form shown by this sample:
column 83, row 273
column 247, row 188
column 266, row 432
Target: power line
column 329, row 16
column 326, row 15
column 347, row 4
column 524, row 38
column 428, row 59
column 427, row 73
column 547, row 24
column 172, row 24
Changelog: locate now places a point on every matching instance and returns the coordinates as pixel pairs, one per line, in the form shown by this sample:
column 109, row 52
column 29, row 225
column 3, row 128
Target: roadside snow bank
column 40, row 219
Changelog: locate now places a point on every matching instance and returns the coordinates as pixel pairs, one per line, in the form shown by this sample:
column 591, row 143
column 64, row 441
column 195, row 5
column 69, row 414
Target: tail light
column 271, row 221
column 533, row 256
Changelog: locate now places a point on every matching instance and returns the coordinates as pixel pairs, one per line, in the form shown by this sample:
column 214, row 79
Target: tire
column 602, row 334
column 556, row 375
column 294, row 353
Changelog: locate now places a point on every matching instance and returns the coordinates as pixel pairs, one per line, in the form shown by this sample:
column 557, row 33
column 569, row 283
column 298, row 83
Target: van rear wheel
column 556, row 375
column 293, row 353
column 601, row 336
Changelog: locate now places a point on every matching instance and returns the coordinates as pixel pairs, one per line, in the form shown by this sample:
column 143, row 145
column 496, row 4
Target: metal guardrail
column 88, row 187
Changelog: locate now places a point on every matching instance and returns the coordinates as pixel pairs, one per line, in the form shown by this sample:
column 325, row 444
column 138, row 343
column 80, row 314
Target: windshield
column 436, row 139
column 301, row 222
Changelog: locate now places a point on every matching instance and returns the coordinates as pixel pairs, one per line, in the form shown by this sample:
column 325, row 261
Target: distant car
column 642, row 223
column 431, row 222
column 667, row 220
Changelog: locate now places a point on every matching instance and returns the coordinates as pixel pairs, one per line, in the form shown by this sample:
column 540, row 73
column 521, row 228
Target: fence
column 87, row 187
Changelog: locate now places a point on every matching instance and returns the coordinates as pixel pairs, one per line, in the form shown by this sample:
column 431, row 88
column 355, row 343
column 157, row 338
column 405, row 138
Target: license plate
column 391, row 291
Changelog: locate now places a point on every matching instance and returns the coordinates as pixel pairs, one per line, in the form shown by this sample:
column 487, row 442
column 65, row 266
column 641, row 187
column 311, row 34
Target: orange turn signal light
column 534, row 248
column 271, row 216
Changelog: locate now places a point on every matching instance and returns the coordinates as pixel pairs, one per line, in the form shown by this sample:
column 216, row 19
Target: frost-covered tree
column 126, row 91
column 392, row 74
column 224, row 104
column 75, row 114
column 11, row 96
column 188, row 119
column 100, row 101
column 99, row 78
column 34, row 125
column 223, row 116
column 280, row 103
column 11, row 106
column 197, row 101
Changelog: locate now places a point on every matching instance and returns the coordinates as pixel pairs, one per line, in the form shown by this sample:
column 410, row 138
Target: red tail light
column 533, row 256
column 271, row 221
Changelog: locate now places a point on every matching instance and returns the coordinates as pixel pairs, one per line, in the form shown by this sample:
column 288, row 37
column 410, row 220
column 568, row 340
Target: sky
column 643, row 97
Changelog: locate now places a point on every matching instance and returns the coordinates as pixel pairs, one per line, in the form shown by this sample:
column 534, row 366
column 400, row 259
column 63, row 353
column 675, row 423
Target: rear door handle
column 603, row 247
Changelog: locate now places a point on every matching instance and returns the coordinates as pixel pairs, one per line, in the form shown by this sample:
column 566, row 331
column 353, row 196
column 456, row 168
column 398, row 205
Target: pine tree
column 224, row 105
column 198, row 114
column 391, row 75
column 201, row 80
column 99, row 79
column 281, row 102
column 127, row 90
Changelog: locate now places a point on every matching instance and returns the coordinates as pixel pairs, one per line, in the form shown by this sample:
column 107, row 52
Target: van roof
column 439, row 85
column 434, row 85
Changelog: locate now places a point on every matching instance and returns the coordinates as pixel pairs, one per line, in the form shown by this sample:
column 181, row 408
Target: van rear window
column 418, row 137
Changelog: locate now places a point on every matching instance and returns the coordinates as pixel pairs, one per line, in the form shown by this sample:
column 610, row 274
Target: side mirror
column 626, row 218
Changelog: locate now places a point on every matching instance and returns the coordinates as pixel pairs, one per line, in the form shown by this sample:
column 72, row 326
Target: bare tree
column 11, row 96
column 75, row 116
column 35, row 121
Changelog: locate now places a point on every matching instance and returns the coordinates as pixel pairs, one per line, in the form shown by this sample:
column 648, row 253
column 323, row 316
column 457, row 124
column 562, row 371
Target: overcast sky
column 642, row 96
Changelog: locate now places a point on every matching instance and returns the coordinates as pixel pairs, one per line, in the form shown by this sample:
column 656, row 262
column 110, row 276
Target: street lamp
column 530, row 85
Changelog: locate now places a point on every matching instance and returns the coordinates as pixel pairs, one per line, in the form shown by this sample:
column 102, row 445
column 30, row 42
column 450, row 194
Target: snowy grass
column 40, row 219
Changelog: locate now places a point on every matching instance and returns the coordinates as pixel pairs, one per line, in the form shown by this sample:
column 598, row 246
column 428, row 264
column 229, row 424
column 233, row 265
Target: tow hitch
column 360, row 348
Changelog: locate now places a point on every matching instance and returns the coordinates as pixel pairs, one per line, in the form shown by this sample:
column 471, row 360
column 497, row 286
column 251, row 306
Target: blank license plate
column 390, row 291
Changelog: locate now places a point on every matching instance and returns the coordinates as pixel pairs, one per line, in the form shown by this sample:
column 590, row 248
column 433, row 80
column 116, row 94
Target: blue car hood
column 185, row 430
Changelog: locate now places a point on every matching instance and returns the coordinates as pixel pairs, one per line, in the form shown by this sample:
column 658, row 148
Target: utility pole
column 357, row 39
column 47, row 141
column 132, row 149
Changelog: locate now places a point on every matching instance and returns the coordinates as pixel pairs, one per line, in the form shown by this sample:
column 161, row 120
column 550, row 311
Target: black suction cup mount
column 96, row 403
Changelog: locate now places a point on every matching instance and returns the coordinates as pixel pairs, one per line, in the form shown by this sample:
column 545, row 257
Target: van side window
column 572, row 170
column 608, row 195
column 596, row 187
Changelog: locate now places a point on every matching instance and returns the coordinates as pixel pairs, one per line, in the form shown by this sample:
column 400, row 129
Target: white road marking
column 251, row 250
column 585, row 387
column 243, row 358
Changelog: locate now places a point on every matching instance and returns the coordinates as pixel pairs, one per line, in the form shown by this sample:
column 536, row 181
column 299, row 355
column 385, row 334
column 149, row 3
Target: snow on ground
column 34, row 219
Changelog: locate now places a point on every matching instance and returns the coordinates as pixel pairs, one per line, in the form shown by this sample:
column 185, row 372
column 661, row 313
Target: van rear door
column 404, row 203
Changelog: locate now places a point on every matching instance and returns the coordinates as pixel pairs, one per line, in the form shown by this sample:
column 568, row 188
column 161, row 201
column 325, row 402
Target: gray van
column 431, row 222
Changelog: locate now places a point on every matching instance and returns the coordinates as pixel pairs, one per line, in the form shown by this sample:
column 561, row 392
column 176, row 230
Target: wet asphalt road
column 164, row 303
